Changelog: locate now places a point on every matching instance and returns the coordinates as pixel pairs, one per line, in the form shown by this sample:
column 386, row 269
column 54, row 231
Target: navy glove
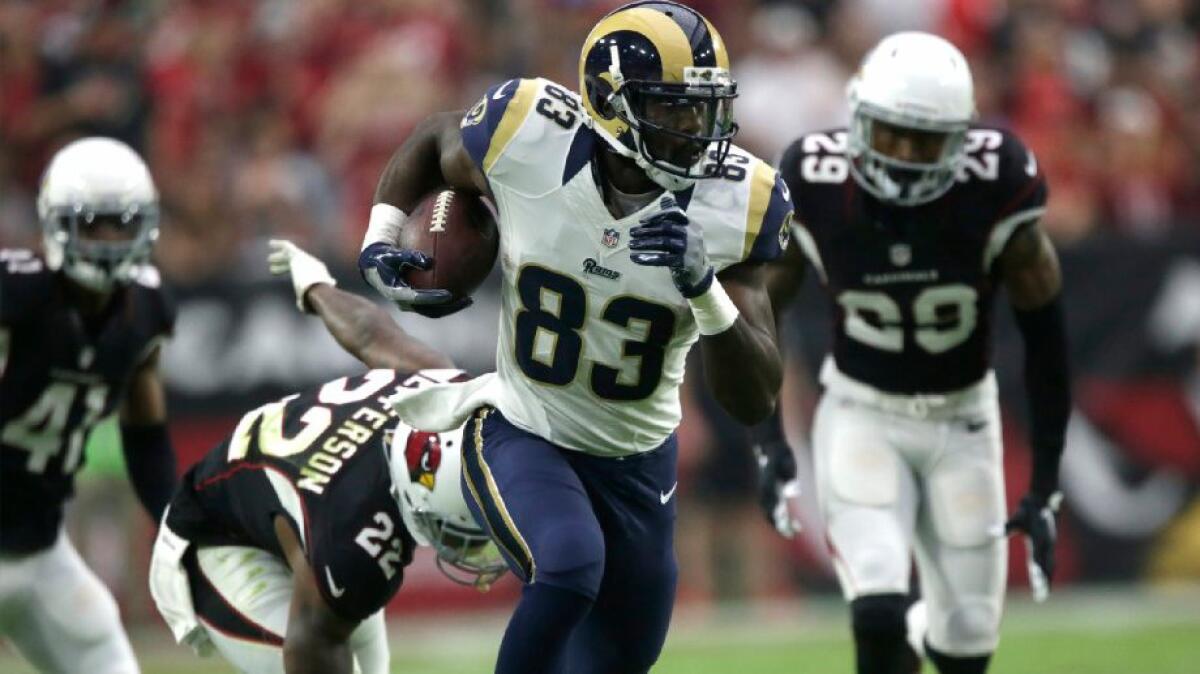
column 778, row 486
column 1034, row 517
column 383, row 268
column 665, row 240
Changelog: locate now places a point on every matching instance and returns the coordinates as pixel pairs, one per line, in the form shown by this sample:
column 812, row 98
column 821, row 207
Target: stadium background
column 273, row 119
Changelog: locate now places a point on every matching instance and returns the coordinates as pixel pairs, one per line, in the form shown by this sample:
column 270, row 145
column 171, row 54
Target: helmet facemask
column 425, row 470
column 99, row 245
column 911, row 104
column 682, row 129
column 465, row 555
column 680, row 132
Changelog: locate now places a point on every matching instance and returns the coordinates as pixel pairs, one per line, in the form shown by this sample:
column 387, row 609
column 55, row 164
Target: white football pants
column 257, row 587
column 903, row 475
column 60, row 616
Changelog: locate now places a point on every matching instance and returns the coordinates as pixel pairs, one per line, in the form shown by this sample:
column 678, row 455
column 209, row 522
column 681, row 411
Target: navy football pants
column 600, row 528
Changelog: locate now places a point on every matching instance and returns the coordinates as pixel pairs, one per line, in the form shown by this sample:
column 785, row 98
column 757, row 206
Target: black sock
column 880, row 635
column 539, row 629
column 957, row 664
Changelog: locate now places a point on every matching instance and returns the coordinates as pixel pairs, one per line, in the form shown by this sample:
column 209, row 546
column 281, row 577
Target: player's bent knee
column 876, row 569
column 571, row 557
column 971, row 628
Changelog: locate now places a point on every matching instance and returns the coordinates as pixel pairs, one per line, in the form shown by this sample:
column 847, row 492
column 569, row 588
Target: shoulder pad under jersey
column 521, row 133
column 745, row 212
column 25, row 284
column 1008, row 181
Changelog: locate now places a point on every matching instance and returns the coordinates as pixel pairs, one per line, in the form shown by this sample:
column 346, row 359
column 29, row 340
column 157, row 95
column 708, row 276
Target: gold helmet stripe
column 667, row 37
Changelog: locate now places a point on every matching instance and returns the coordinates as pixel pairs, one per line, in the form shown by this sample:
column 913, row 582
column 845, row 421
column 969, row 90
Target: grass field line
column 1097, row 609
column 458, row 643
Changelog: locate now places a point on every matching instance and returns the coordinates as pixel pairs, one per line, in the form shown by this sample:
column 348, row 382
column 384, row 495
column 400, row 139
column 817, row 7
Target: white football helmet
column 91, row 185
column 917, row 82
column 425, row 470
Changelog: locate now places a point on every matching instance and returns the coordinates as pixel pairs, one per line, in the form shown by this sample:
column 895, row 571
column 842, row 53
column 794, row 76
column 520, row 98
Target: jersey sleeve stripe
column 514, row 114
column 1002, row 231
column 761, row 184
column 770, row 211
column 582, row 147
column 808, row 246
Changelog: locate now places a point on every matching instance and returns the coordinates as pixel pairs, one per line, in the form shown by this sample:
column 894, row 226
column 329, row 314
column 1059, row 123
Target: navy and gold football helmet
column 656, row 85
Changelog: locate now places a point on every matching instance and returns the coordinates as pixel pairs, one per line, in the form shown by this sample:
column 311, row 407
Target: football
column 457, row 230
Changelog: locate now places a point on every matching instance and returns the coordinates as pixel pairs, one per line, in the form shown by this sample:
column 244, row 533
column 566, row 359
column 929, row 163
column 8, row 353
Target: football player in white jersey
column 630, row 228
column 913, row 219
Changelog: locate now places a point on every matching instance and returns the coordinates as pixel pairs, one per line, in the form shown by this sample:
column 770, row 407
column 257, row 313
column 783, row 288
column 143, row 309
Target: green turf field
column 1107, row 632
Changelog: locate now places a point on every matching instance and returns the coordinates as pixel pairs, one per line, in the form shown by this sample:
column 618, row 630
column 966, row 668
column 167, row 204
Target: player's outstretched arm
column 370, row 334
column 1031, row 275
column 362, row 328
column 317, row 639
column 149, row 456
column 432, row 157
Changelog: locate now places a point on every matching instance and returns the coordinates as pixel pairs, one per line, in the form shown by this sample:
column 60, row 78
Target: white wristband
column 384, row 225
column 714, row 311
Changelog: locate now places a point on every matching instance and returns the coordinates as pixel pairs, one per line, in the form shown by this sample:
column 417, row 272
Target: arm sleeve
column 1048, row 384
column 1020, row 194
column 492, row 123
column 768, row 222
column 150, row 462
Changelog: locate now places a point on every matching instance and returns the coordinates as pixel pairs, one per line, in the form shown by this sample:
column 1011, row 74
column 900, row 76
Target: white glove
column 306, row 270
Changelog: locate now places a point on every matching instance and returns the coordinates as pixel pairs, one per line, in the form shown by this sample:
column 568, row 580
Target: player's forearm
column 744, row 370
column 352, row 320
column 369, row 334
column 1048, row 384
column 150, row 462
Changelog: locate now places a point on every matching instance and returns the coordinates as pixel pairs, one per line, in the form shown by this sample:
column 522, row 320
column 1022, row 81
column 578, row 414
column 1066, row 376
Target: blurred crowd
column 275, row 117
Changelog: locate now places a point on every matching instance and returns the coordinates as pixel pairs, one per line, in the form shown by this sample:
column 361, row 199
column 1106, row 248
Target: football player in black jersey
column 80, row 333
column 282, row 545
column 912, row 219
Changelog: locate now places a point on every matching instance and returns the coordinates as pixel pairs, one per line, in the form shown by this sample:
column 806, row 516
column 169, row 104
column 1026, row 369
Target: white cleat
column 917, row 622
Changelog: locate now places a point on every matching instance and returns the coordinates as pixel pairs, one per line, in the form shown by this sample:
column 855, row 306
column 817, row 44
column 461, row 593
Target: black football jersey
column 60, row 373
column 911, row 288
column 320, row 459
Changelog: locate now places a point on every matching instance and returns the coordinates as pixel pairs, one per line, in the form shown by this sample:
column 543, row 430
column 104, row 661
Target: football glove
column 1034, row 517
column 778, row 486
column 305, row 269
column 664, row 239
column 383, row 268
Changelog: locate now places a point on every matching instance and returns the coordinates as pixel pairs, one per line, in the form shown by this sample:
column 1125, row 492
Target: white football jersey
column 592, row 346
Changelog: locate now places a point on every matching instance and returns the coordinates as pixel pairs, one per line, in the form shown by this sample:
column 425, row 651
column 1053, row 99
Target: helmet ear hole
column 598, row 92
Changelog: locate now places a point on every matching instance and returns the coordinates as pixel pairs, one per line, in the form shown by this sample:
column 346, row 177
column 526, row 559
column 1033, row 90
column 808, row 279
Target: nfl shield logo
column 901, row 254
column 610, row 238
